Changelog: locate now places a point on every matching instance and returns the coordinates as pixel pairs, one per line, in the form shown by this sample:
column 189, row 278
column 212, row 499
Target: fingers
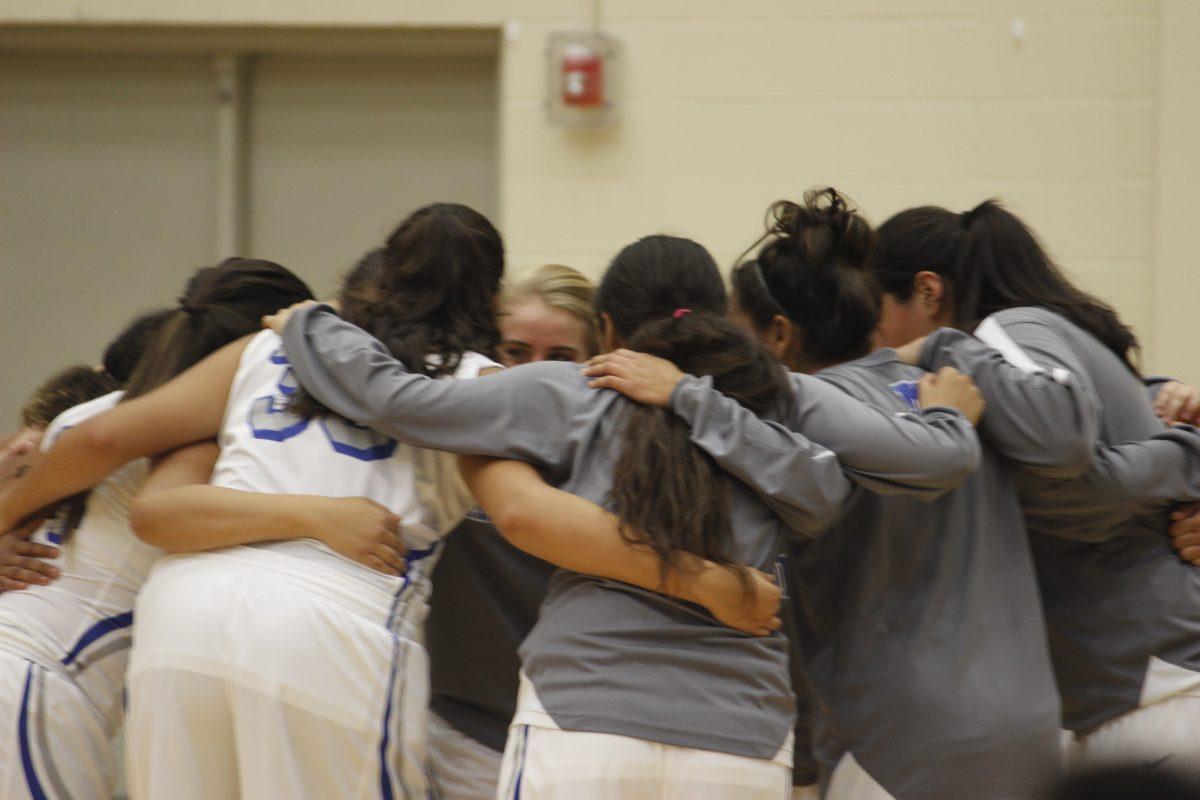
column 391, row 558
column 772, row 625
column 1184, row 527
column 1178, row 402
column 1186, row 511
column 603, row 358
column 278, row 321
column 23, row 574
column 1183, row 511
column 33, row 566
column 36, row 550
column 1191, row 536
column 1182, row 405
column 377, row 562
column 1170, row 400
column 1191, row 554
column 1189, row 411
column 1185, row 522
column 609, row 364
column 622, row 356
column 1185, row 538
column 625, row 356
column 610, row 382
column 11, row 585
column 616, row 368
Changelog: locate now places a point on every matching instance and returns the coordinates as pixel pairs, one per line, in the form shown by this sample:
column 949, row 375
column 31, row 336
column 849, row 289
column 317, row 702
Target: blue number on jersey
column 907, row 390
column 269, row 417
column 271, row 420
column 357, row 441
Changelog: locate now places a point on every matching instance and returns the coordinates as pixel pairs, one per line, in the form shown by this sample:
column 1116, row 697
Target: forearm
column 186, row 519
column 1040, row 412
column 355, row 376
column 1145, row 476
column 529, row 515
column 799, row 480
column 922, row 455
column 186, row 409
column 80, row 459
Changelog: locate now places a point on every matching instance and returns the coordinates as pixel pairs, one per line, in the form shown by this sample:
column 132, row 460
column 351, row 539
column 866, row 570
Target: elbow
column 147, row 520
column 96, row 436
column 100, row 439
column 1074, row 459
column 957, row 469
column 512, row 518
column 1060, row 457
column 825, row 513
column 1067, row 450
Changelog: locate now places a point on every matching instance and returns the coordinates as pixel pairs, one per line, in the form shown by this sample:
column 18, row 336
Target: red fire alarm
column 580, row 70
column 582, row 77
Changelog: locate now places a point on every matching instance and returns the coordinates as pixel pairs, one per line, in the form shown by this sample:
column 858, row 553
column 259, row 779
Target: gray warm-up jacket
column 1123, row 610
column 604, row 656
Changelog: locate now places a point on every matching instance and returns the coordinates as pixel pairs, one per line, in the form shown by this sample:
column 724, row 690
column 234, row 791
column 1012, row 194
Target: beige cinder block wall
column 1079, row 113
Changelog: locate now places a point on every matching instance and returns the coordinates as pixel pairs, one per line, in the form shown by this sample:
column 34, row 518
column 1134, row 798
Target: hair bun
column 826, row 228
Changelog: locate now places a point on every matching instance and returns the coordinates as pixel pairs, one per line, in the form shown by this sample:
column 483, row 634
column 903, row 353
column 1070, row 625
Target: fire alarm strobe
column 581, row 72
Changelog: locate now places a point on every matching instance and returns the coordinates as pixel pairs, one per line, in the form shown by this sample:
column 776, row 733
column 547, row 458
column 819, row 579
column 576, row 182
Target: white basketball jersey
column 80, row 623
column 265, row 448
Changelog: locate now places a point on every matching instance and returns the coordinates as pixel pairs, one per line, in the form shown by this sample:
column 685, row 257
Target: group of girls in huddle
column 975, row 526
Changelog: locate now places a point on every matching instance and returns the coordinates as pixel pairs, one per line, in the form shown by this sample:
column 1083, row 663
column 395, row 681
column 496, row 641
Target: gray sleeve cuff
column 954, row 412
column 299, row 321
column 940, row 346
column 688, row 396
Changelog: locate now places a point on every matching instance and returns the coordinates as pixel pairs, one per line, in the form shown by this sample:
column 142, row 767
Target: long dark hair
column 219, row 305
column 665, row 297
column 429, row 295
column 990, row 261
column 123, row 353
column 813, row 268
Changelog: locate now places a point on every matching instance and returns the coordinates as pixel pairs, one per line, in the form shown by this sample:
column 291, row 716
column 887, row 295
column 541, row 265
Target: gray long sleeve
column 1154, row 384
column 528, row 413
column 921, row 454
column 1041, row 412
column 599, row 646
column 800, row 481
column 1143, row 477
column 505, row 416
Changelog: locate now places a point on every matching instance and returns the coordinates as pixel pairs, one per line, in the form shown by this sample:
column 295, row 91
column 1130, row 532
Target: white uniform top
column 80, row 624
column 264, row 448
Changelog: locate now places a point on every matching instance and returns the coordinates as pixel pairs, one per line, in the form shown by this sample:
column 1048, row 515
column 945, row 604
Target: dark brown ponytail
column 219, row 305
column 668, row 493
column 990, row 260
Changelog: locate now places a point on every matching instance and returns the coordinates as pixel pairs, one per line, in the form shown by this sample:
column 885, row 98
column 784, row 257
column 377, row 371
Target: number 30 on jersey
column 270, row 419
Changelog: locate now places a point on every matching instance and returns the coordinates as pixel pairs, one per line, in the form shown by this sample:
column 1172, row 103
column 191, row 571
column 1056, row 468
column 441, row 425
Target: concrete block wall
column 1081, row 124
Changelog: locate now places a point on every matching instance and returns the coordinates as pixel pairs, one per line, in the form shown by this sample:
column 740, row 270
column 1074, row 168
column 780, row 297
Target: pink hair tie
column 680, row 313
